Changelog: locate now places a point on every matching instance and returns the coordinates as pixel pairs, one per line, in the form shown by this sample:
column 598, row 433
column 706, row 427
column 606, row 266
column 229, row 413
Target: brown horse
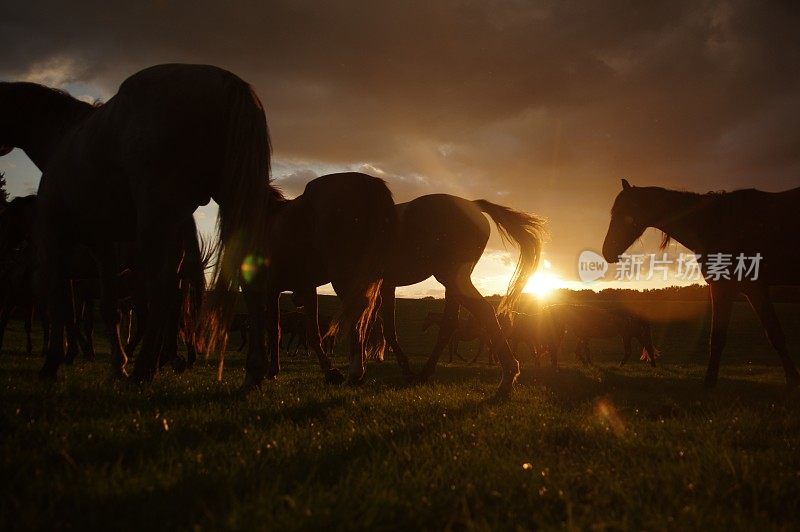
column 338, row 231
column 588, row 322
column 130, row 170
column 746, row 223
column 444, row 236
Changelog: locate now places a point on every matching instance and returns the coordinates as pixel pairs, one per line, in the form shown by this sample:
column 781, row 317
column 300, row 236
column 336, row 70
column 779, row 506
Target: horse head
column 630, row 216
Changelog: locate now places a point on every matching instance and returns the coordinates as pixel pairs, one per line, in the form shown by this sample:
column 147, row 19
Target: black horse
column 131, row 170
column 745, row 223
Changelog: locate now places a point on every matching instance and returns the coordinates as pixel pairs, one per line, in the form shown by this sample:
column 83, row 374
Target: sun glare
column 543, row 282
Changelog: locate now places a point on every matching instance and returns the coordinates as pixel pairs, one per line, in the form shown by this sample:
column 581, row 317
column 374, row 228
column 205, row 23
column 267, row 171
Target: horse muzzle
column 5, row 150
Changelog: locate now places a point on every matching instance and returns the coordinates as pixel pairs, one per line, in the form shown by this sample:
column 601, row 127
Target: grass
column 598, row 447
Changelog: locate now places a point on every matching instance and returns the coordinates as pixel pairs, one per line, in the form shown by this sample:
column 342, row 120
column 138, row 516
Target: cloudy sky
column 542, row 106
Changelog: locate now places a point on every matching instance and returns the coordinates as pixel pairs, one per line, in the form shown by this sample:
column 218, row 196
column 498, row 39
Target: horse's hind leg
column 762, row 304
column 446, row 330
column 484, row 313
column 390, row 330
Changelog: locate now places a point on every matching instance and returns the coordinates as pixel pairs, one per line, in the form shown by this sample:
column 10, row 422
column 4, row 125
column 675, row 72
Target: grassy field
column 599, row 447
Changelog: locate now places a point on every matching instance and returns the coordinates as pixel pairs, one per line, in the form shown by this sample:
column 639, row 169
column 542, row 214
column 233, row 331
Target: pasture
column 598, row 447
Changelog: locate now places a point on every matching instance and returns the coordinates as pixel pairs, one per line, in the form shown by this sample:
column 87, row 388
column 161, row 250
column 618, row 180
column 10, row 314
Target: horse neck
column 43, row 122
column 681, row 215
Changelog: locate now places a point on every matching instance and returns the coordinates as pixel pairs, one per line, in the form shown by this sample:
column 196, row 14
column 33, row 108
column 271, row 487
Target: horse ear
column 626, row 185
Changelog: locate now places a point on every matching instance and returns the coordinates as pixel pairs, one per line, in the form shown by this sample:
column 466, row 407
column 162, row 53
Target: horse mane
column 50, row 97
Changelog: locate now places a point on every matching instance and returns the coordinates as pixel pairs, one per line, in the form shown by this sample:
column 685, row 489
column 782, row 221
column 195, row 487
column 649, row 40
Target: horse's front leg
column 721, row 307
column 256, row 361
column 446, row 330
column 762, row 305
column 358, row 370
column 312, row 333
column 159, row 255
column 109, row 292
column 28, row 329
column 626, row 344
column 273, row 328
column 57, row 300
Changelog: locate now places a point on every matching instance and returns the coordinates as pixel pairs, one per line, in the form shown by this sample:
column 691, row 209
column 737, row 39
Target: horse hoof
column 356, row 380
column 48, row 373
column 179, row 364
column 334, row 376
column 410, row 378
column 247, row 388
column 709, row 383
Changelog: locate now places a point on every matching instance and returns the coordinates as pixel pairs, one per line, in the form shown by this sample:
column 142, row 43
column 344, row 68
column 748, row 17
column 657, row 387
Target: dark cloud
column 540, row 105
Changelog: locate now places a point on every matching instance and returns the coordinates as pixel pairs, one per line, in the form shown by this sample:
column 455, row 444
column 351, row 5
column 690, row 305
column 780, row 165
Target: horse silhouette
column 16, row 229
column 587, row 322
column 444, row 236
column 131, row 170
column 338, row 231
column 746, row 223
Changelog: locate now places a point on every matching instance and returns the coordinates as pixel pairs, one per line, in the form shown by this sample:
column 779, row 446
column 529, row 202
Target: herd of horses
column 113, row 220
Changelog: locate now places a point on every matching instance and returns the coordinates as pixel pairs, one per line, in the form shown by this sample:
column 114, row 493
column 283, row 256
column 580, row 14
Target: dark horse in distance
column 131, row 170
column 747, row 223
column 588, row 322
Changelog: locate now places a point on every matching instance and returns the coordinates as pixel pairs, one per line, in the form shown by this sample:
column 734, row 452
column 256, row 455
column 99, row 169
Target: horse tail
column 528, row 232
column 362, row 301
column 244, row 195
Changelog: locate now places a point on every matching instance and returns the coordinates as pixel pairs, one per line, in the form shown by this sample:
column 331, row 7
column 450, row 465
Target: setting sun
column 543, row 282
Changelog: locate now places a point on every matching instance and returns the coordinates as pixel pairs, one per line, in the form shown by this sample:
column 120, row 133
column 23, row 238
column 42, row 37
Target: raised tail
column 244, row 196
column 528, row 232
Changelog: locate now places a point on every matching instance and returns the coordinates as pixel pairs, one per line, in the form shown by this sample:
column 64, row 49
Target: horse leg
column 390, row 330
column 169, row 350
column 71, row 325
column 357, row 358
column 139, row 312
column 762, row 305
column 5, row 314
column 273, row 327
column 446, row 330
column 243, row 337
column 721, row 307
column 28, row 327
column 311, row 323
column 107, row 268
column 256, row 361
column 626, row 344
column 159, row 254
column 483, row 311
column 45, row 321
column 88, row 329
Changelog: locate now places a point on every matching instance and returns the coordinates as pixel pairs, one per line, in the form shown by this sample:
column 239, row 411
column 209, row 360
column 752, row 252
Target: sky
column 541, row 106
